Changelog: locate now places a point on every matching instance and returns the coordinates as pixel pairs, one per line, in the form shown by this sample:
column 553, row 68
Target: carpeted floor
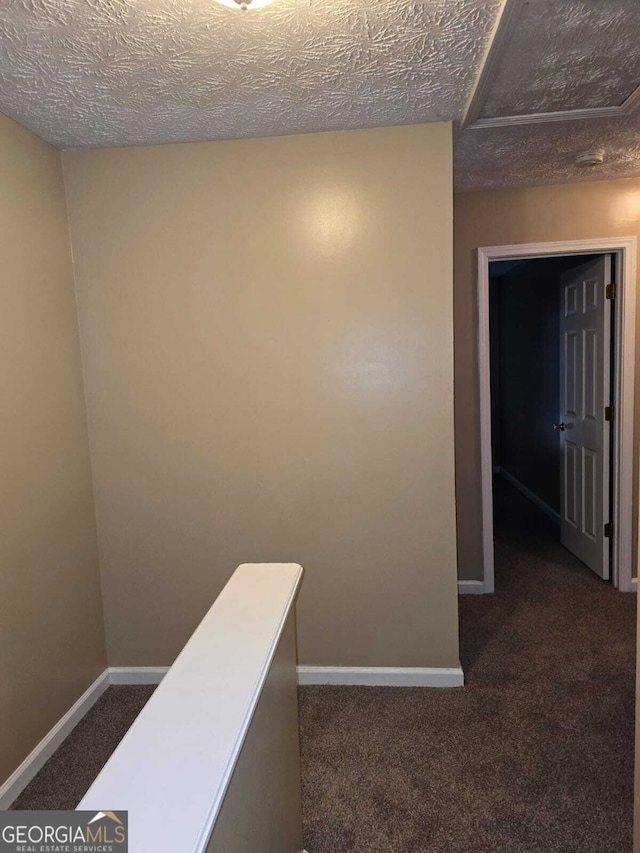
column 534, row 755
column 68, row 774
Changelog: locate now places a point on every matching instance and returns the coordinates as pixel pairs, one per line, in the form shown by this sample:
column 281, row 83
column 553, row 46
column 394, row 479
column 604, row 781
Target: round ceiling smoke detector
column 589, row 159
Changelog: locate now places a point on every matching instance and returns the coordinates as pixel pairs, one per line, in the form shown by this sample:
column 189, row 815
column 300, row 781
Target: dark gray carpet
column 68, row 774
column 535, row 755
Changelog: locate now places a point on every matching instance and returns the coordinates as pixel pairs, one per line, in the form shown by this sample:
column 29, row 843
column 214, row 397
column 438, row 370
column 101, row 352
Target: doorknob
column 561, row 426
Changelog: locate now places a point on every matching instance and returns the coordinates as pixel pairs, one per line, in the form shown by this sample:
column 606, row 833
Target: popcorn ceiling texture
column 534, row 154
column 567, row 55
column 100, row 73
column 126, row 72
column 563, row 55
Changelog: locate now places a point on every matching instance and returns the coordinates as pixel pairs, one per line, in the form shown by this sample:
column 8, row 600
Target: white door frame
column 624, row 249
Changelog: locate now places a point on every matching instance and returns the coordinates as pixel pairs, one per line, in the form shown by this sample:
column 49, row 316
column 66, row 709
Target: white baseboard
column 382, row 676
column 137, row 674
column 470, row 587
column 377, row 676
column 526, row 491
column 372, row 676
column 36, row 759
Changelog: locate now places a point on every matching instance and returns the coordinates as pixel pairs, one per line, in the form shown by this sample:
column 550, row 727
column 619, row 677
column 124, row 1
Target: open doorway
column 551, row 408
column 556, row 354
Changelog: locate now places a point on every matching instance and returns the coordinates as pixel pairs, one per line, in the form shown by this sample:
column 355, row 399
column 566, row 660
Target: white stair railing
column 212, row 762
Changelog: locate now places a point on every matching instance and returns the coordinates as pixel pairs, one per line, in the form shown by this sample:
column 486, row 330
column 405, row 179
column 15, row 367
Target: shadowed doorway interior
column 551, row 394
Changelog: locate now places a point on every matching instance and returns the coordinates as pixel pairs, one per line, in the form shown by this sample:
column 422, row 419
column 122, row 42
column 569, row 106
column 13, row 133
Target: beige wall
column 267, row 340
column 51, row 634
column 532, row 215
column 262, row 809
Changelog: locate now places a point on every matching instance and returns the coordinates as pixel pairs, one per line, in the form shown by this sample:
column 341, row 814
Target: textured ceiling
column 562, row 55
column 567, row 55
column 531, row 154
column 125, row 72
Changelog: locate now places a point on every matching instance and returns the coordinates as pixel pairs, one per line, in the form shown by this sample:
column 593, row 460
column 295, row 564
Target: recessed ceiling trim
column 563, row 115
column 505, row 26
column 632, row 103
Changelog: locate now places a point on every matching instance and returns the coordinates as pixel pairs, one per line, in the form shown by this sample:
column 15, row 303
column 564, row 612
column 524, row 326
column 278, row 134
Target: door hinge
column 609, row 413
column 608, row 530
column 610, row 291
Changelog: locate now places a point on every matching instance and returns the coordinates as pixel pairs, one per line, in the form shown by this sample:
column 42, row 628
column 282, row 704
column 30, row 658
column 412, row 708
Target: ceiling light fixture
column 589, row 159
column 244, row 4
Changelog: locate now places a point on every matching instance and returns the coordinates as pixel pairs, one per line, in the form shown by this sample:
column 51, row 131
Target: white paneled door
column 583, row 425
